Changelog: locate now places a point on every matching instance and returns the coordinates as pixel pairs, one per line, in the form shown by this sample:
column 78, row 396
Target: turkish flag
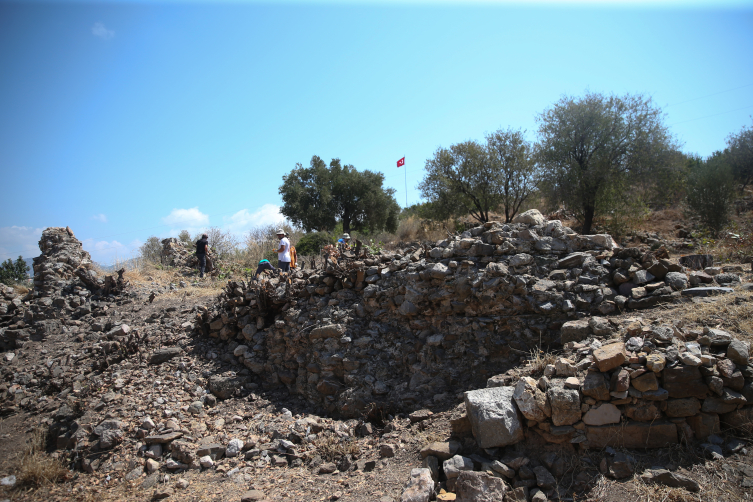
column 401, row 162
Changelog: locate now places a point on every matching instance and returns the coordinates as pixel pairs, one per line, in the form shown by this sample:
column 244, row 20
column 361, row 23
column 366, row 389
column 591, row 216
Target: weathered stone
column 684, row 381
column 737, row 352
column 620, row 381
column 327, row 331
column 672, row 479
column 224, row 387
column 565, row 367
column 164, row 355
column 604, row 414
column 565, row 405
column 686, row 407
column 494, row 416
column 544, row 478
column 420, row 486
column 717, row 405
column 574, row 331
column 253, row 496
column 596, row 386
column 656, row 362
column 455, row 465
column 644, row 412
column 646, row 382
column 621, row 466
column 610, row 356
column 704, row 425
column 518, row 494
column 479, row 487
column 529, row 398
column 632, row 435
column 676, row 280
column 440, row 449
column 163, row 438
column 530, row 217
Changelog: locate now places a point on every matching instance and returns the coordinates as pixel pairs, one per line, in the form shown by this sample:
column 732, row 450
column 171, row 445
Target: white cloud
column 108, row 252
column 99, row 30
column 244, row 220
column 100, row 217
column 19, row 241
column 186, row 218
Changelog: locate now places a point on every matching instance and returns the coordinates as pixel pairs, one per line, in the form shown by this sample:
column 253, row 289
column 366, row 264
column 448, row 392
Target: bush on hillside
column 311, row 243
column 710, row 191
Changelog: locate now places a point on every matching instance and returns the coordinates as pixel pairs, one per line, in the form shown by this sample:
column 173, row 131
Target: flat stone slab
column 163, row 438
column 632, row 435
column 703, row 292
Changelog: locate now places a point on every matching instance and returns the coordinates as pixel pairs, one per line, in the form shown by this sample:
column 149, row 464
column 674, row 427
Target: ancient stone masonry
column 66, row 285
column 409, row 328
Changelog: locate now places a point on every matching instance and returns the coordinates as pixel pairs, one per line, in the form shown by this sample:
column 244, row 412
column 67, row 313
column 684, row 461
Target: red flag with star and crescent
column 401, row 162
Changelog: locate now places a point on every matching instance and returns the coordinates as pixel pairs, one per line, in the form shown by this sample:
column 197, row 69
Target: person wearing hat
column 283, row 253
column 344, row 241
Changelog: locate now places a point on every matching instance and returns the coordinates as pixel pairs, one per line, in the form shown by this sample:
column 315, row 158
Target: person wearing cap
column 283, row 252
column 344, row 241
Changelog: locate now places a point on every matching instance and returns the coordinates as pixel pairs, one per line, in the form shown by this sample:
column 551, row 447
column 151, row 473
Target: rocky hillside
column 346, row 377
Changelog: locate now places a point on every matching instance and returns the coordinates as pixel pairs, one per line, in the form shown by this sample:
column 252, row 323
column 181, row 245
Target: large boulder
column 495, row 420
column 479, row 487
column 530, row 217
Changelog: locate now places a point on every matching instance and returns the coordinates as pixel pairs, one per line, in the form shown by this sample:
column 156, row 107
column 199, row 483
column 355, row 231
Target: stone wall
column 412, row 328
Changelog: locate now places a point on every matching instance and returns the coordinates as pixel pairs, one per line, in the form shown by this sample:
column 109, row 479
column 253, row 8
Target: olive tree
column 593, row 149
column 318, row 196
column 474, row 178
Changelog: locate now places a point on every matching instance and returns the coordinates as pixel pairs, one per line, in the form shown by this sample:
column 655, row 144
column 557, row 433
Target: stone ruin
column 176, row 253
column 411, row 329
column 406, row 330
column 66, row 284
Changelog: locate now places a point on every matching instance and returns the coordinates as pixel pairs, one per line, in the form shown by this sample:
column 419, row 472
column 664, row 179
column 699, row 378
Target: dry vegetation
column 37, row 468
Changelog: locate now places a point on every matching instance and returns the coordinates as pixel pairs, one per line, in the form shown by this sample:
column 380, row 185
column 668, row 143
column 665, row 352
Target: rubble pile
column 632, row 384
column 176, row 253
column 410, row 328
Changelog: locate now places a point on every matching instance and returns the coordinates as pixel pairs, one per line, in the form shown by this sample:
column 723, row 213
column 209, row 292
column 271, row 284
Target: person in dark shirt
column 202, row 248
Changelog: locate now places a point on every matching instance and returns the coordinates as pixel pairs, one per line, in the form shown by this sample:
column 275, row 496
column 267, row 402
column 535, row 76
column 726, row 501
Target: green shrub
column 710, row 191
column 312, row 243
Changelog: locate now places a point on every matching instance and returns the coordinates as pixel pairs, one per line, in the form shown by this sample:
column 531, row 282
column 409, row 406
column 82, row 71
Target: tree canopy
column 474, row 178
column 740, row 155
column 316, row 197
column 11, row 272
column 593, row 149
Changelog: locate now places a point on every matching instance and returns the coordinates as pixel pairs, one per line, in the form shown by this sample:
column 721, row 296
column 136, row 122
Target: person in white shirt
column 283, row 253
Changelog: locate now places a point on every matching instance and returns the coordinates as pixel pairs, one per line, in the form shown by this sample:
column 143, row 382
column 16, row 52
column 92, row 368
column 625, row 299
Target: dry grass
column 37, row 468
column 538, row 361
column 330, row 447
column 733, row 312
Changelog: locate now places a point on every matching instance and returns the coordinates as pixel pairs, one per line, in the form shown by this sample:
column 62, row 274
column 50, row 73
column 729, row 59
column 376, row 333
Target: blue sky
column 130, row 119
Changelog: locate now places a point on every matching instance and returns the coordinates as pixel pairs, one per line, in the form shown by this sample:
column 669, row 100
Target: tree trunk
column 588, row 219
column 346, row 222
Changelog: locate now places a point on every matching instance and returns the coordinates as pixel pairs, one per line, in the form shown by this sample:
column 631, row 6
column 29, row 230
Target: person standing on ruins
column 283, row 252
column 202, row 249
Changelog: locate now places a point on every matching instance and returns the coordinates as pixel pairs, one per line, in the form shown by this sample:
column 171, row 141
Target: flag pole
column 406, row 183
